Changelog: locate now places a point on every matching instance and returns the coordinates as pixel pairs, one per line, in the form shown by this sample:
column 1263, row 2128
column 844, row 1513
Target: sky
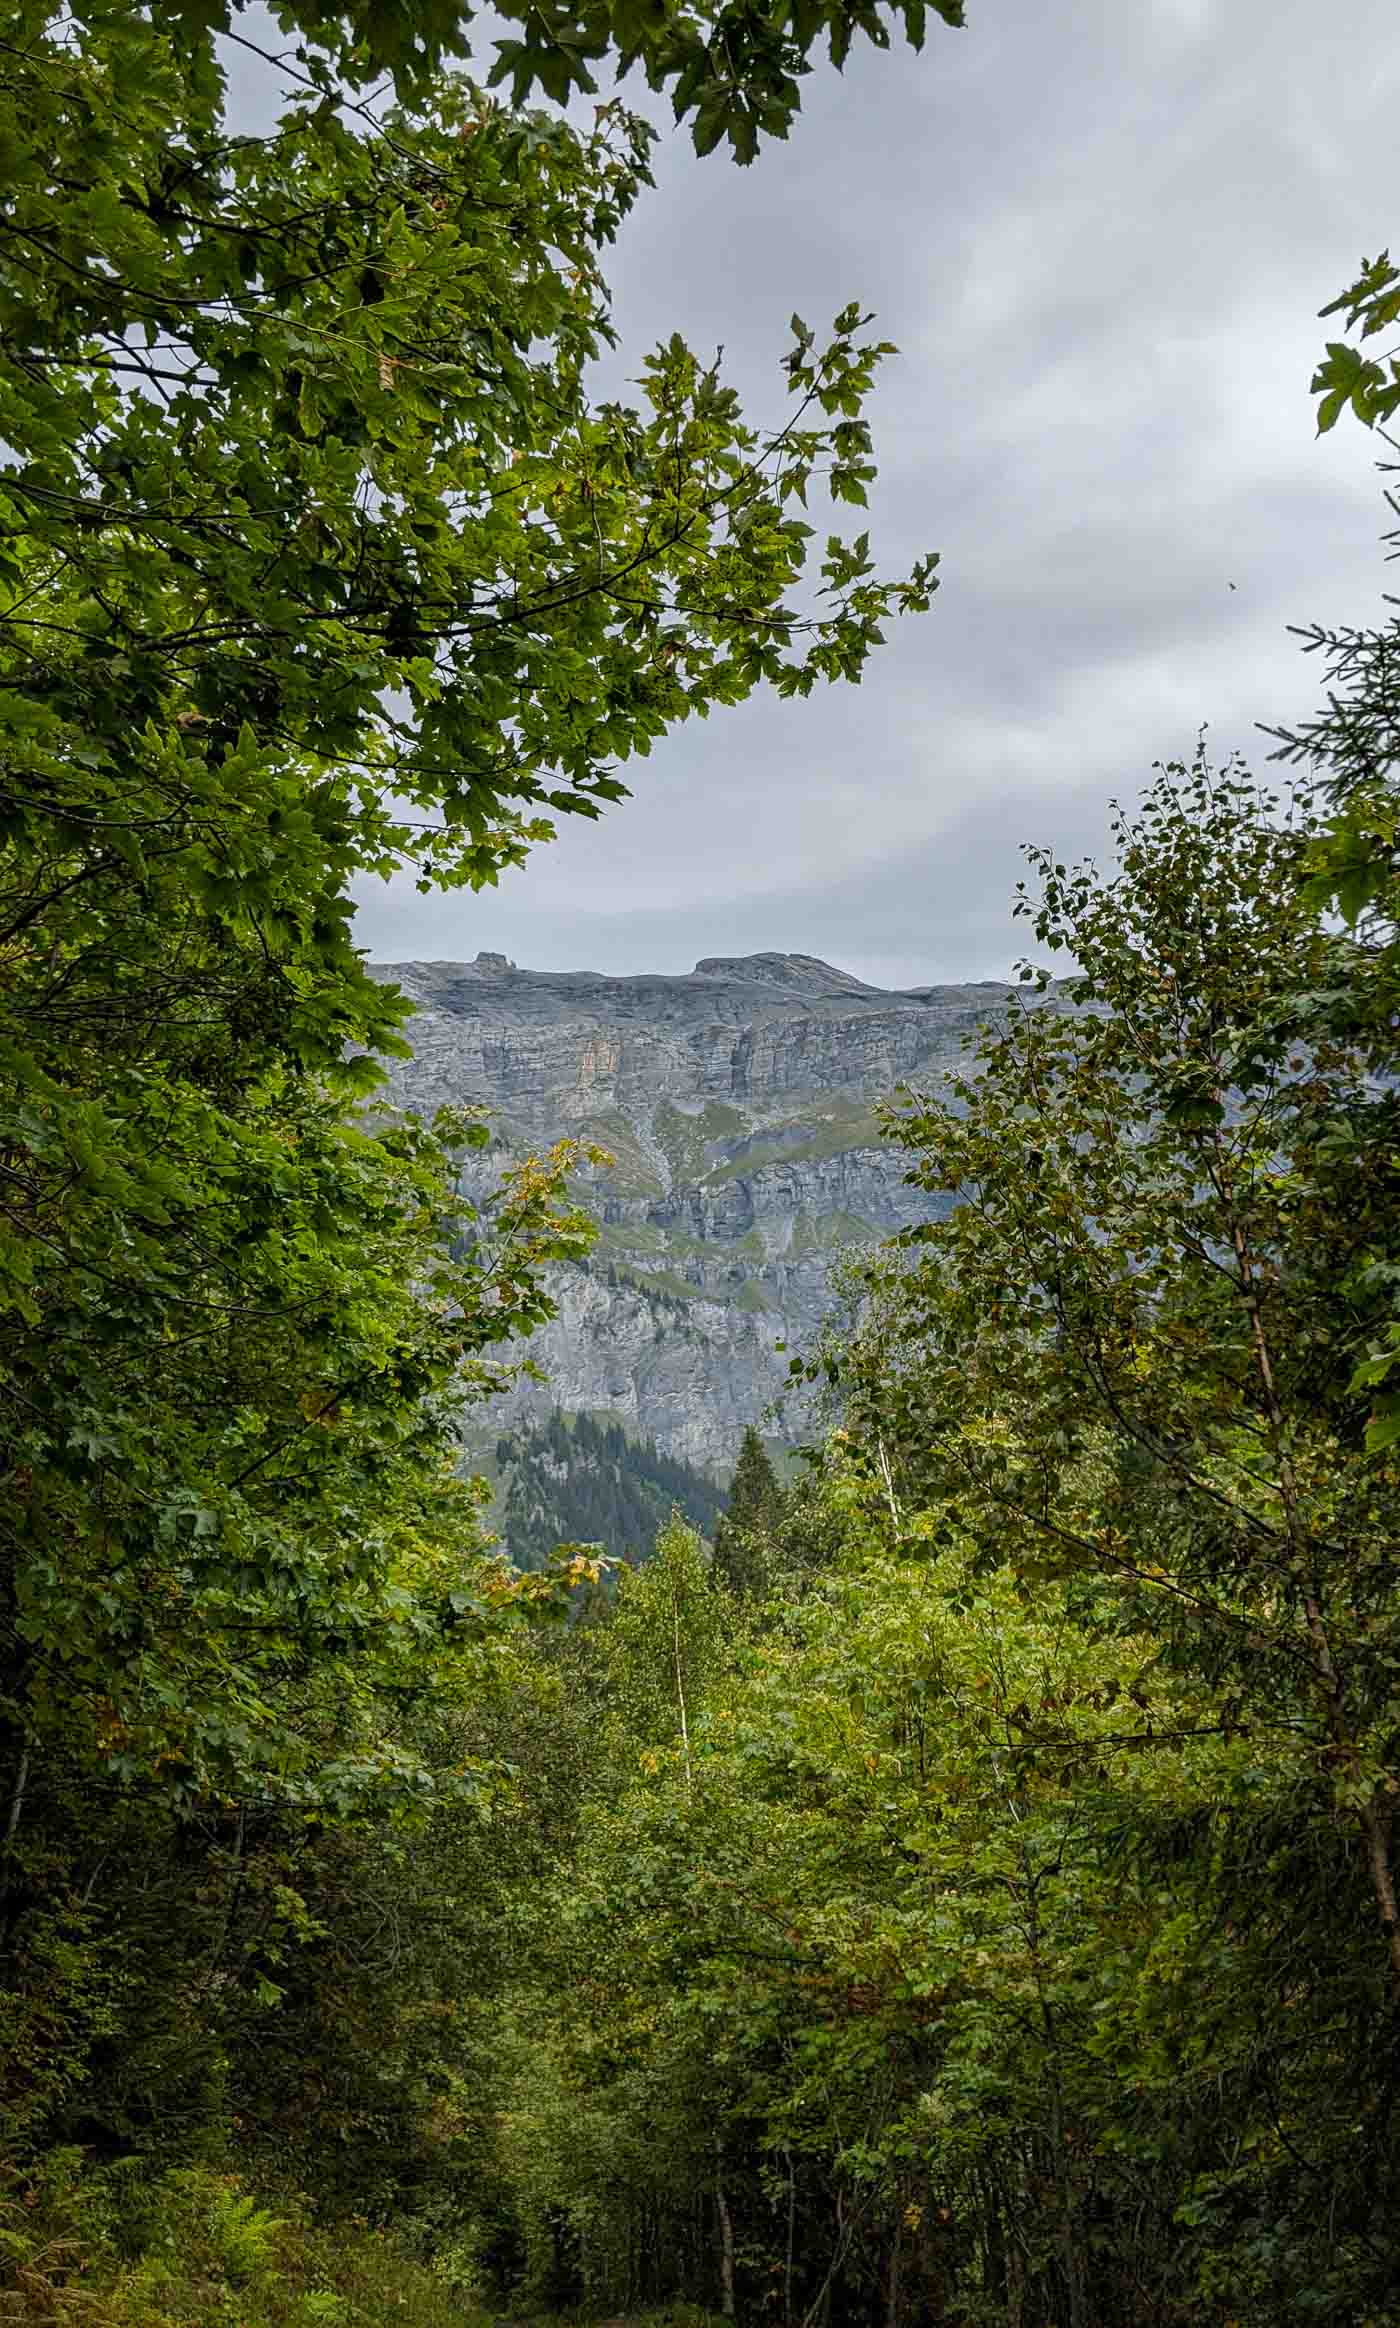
column 1099, row 235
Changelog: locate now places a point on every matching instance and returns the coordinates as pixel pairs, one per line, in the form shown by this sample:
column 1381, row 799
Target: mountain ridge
column 740, row 1103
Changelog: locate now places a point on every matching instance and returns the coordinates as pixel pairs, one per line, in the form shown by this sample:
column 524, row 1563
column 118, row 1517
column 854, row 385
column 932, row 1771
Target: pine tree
column 744, row 1538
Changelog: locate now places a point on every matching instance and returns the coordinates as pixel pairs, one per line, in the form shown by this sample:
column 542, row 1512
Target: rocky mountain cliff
column 738, row 1103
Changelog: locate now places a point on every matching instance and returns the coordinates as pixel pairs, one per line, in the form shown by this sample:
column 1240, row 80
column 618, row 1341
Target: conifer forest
column 946, row 1870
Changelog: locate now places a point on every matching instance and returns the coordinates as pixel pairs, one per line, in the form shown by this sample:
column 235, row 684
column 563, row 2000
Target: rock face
column 738, row 1104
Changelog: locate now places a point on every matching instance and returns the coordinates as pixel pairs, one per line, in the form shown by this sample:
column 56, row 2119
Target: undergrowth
column 195, row 2248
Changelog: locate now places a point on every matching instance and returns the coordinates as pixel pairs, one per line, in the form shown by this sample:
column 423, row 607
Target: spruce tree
column 744, row 1538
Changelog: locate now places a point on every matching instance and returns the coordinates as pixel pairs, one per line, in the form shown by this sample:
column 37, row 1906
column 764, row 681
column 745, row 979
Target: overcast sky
column 1099, row 234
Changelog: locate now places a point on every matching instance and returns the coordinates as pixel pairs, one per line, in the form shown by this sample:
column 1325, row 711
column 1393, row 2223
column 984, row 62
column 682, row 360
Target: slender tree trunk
column 17, row 1797
column 1071, row 2255
column 234, row 1893
column 931, row 2249
column 791, row 2239
column 12, row 1819
column 821, row 2310
column 1015, row 2282
column 680, row 1690
column 892, row 2277
column 1071, row 2258
column 726, row 2239
column 890, row 1495
column 993, row 2243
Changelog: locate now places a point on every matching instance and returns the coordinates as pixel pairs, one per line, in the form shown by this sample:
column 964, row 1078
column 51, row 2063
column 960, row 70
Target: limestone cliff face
column 739, row 1105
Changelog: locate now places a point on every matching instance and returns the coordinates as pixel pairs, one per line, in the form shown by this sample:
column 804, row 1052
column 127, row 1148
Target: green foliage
column 318, row 560
column 736, row 74
column 202, row 688
column 1152, row 1298
column 290, row 1348
column 915, row 1964
column 1369, row 386
column 192, row 2248
column 971, row 1894
column 457, row 597
column 1003, row 1936
column 668, row 1637
column 1350, row 750
column 745, row 1541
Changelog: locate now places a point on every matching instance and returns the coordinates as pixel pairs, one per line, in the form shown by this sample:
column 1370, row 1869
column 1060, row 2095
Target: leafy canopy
column 733, row 70
column 317, row 560
column 1129, row 1349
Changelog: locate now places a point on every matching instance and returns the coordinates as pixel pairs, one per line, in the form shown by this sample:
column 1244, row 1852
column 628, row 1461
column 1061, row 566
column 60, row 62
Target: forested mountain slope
column 573, row 1480
column 739, row 1105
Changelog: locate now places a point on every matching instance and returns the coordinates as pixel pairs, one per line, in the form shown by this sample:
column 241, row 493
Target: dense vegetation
column 992, row 1916
column 967, row 1891
column 316, row 560
column 577, row 1480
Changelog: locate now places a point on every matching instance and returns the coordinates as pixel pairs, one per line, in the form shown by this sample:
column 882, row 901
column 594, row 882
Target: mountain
column 739, row 1105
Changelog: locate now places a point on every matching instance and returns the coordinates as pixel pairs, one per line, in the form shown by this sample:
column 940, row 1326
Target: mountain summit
column 794, row 971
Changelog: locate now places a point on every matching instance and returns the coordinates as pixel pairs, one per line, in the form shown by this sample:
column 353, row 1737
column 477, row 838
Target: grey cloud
column 1099, row 235
column 942, row 911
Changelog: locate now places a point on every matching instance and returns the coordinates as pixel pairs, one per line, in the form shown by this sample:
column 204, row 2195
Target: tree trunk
column 11, row 1828
column 17, row 1797
column 1071, row 2255
column 726, row 2241
column 892, row 2279
column 680, row 1690
column 791, row 2239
